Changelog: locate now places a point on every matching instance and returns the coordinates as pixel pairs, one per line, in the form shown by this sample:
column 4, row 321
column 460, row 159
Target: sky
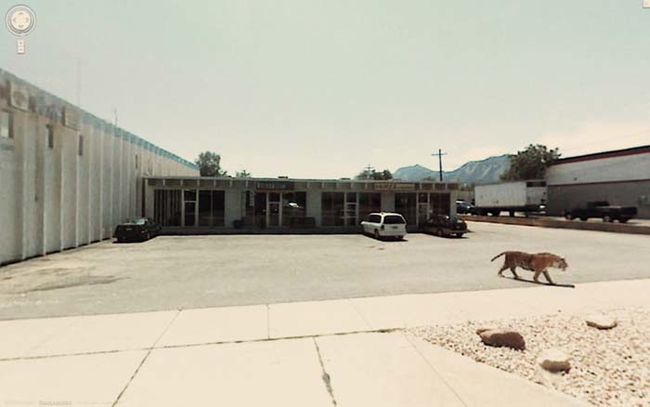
column 321, row 89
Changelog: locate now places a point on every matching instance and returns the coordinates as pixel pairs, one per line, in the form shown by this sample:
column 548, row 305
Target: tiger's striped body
column 538, row 263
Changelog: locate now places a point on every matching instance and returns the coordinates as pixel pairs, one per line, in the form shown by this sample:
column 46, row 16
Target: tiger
column 538, row 263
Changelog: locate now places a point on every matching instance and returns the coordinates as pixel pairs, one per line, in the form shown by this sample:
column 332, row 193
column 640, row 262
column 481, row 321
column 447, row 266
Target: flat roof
column 605, row 154
column 291, row 184
column 263, row 179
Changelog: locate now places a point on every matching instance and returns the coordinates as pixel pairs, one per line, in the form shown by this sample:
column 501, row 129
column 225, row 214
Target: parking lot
column 173, row 272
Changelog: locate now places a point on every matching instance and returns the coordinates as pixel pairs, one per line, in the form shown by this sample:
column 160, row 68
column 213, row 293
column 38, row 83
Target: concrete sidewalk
column 343, row 352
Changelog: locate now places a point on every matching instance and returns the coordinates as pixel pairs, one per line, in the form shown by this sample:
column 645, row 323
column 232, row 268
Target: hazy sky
column 322, row 88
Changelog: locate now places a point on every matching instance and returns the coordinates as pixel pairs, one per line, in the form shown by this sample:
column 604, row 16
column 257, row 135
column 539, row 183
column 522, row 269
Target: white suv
column 385, row 224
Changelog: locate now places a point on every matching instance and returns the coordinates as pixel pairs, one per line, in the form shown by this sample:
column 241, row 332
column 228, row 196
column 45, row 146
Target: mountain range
column 473, row 172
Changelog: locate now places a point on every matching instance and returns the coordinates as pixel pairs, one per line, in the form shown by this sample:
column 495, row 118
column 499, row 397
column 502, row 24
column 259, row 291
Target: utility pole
column 440, row 154
column 369, row 170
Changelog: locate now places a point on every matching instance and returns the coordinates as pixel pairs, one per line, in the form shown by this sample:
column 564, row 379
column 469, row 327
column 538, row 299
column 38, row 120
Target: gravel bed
column 608, row 367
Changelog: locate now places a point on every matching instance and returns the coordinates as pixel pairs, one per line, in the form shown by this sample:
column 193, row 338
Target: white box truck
column 511, row 197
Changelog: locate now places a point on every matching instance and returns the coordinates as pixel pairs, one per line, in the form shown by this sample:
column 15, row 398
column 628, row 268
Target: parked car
column 445, row 225
column 603, row 210
column 463, row 207
column 385, row 224
column 140, row 229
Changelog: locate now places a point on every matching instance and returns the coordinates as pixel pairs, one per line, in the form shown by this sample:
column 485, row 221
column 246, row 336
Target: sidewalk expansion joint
column 326, row 377
column 433, row 368
column 363, row 317
column 144, row 359
column 191, row 345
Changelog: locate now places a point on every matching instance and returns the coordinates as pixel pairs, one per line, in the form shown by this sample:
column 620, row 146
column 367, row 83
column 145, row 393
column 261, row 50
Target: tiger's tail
column 497, row 256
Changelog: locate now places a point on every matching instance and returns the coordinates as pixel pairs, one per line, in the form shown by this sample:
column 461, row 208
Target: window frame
column 49, row 136
column 80, row 145
column 10, row 124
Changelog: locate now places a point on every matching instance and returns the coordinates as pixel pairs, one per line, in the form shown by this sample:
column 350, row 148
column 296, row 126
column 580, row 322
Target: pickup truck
column 603, row 210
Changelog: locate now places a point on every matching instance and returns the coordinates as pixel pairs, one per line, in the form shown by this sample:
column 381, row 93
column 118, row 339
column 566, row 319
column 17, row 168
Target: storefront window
column 211, row 208
column 332, row 208
column 369, row 202
column 439, row 204
column 405, row 204
column 167, row 207
column 294, row 209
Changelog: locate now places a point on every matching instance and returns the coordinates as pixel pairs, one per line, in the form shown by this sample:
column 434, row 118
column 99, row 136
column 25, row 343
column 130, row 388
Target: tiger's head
column 560, row 263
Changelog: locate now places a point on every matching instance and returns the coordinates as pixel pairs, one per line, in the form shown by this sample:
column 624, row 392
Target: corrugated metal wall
column 60, row 192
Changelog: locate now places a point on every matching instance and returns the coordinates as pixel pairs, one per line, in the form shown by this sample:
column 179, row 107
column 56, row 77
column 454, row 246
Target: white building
column 621, row 177
column 67, row 178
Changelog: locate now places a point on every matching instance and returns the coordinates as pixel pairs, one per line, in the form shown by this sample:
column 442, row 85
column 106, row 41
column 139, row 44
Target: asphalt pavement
column 184, row 272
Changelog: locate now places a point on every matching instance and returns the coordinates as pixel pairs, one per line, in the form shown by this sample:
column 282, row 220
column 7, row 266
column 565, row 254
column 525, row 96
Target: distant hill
column 476, row 172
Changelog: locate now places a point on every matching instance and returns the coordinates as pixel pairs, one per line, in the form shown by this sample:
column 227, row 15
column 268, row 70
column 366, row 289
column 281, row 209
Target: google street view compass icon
column 20, row 21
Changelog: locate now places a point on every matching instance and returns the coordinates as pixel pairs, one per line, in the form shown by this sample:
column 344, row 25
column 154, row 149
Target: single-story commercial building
column 621, row 177
column 283, row 203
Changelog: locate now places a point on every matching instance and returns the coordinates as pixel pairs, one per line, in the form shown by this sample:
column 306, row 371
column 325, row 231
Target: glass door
column 189, row 204
column 274, row 210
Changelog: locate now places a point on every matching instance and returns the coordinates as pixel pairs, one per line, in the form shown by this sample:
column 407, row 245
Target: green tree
column 385, row 174
column 371, row 173
column 530, row 163
column 243, row 174
column 209, row 164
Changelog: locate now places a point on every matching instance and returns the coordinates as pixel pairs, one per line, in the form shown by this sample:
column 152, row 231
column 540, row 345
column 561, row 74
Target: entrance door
column 274, row 210
column 189, row 196
column 260, row 209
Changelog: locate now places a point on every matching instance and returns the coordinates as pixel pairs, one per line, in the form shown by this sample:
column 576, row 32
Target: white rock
column 601, row 321
column 554, row 360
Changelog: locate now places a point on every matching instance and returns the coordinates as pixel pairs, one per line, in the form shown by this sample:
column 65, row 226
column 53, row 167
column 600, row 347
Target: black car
column 463, row 207
column 601, row 209
column 138, row 230
column 445, row 225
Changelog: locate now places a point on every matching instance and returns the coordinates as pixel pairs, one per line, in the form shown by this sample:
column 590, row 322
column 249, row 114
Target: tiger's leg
column 513, row 268
column 536, row 276
column 503, row 268
column 548, row 277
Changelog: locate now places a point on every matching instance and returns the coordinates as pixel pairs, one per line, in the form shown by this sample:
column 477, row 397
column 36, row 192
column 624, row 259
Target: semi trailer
column 511, row 197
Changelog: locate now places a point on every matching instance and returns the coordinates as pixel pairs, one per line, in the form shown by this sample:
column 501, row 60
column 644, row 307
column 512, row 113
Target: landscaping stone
column 554, row 360
column 503, row 338
column 601, row 321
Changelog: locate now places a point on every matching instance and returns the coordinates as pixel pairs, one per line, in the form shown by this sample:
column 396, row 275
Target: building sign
column 71, row 118
column 275, row 186
column 391, row 186
column 18, row 97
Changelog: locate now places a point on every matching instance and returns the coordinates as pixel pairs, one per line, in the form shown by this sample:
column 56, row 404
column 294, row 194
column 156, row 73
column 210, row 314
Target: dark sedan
column 137, row 230
column 445, row 225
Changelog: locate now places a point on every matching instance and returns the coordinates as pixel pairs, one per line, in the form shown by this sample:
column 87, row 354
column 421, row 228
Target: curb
column 561, row 224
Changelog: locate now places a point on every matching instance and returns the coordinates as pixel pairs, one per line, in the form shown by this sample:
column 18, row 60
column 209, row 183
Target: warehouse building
column 621, row 177
column 203, row 204
column 67, row 178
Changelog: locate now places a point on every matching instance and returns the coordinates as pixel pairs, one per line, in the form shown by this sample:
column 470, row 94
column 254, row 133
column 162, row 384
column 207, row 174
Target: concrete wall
column 611, row 169
column 53, row 198
column 232, row 206
column 561, row 197
column 623, row 180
